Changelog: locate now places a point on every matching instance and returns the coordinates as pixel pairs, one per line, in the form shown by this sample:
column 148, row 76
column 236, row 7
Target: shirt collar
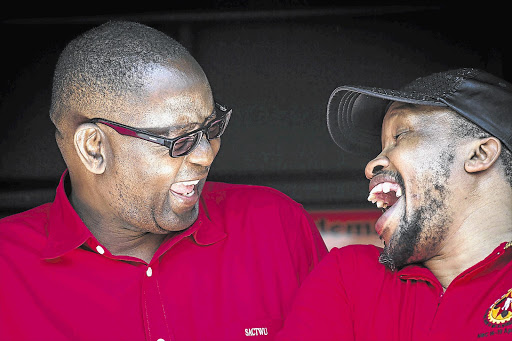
column 204, row 231
column 210, row 230
column 499, row 257
column 66, row 230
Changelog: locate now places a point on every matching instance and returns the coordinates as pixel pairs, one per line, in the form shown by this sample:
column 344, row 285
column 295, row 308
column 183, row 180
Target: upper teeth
column 384, row 187
column 190, row 183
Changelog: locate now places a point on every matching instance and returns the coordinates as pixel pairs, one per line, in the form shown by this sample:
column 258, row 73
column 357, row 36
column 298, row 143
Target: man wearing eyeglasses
column 137, row 245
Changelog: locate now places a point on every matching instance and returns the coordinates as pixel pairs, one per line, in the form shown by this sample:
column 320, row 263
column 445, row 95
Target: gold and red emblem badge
column 500, row 313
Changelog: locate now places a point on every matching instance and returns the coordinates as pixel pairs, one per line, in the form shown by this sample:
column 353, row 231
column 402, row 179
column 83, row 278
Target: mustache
column 392, row 174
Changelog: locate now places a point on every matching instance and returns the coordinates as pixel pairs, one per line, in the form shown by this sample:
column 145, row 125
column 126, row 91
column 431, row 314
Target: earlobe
column 483, row 155
column 90, row 147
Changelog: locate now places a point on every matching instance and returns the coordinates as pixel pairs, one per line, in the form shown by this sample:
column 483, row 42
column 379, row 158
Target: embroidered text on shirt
column 256, row 331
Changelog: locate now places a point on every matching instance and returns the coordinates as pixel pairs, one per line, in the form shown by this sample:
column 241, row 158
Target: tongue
column 180, row 188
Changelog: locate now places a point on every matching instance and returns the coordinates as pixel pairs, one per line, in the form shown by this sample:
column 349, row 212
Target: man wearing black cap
column 443, row 178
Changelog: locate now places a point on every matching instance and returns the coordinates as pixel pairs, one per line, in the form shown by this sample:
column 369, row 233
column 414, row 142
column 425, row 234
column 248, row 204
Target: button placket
column 154, row 314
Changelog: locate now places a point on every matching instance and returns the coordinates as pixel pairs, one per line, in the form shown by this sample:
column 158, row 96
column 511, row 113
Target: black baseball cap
column 355, row 113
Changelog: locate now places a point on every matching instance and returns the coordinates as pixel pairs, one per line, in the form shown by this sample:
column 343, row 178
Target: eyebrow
column 179, row 127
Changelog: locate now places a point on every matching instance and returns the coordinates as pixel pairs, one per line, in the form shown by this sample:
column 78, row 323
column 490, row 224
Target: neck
column 471, row 241
column 124, row 242
column 119, row 239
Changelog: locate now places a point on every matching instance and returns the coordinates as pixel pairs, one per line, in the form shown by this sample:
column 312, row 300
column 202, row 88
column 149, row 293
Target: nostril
column 376, row 169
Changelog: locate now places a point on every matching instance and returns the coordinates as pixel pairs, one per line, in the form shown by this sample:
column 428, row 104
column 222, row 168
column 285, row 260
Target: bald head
column 101, row 71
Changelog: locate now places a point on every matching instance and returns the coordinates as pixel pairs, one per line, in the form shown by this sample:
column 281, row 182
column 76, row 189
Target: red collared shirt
column 231, row 275
column 351, row 296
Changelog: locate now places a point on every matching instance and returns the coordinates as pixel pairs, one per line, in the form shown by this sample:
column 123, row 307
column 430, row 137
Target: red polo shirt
column 351, row 296
column 232, row 274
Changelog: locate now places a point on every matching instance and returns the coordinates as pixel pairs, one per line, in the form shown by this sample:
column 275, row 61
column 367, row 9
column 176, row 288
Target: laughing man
column 443, row 178
column 137, row 245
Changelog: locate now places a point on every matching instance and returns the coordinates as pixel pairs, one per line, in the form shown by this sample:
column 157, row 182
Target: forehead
column 400, row 113
column 174, row 94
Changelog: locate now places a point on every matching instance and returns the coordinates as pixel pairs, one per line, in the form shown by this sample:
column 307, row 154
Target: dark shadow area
column 275, row 64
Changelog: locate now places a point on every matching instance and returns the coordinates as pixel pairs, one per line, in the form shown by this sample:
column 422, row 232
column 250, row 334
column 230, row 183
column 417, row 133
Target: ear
column 483, row 155
column 89, row 143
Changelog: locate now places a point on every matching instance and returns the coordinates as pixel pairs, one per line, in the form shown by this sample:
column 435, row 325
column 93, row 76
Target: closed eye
column 399, row 135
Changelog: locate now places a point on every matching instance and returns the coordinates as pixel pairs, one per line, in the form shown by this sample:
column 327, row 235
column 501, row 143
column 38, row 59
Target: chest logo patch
column 500, row 313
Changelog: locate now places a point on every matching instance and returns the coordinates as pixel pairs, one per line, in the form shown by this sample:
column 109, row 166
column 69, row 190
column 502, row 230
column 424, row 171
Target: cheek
column 144, row 166
column 215, row 144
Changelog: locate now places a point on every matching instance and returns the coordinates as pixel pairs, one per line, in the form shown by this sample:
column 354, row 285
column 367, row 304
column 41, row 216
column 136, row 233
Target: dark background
column 274, row 62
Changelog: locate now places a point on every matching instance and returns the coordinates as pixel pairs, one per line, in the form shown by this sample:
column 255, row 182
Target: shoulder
column 30, row 217
column 262, row 210
column 213, row 188
column 355, row 262
column 24, row 227
column 343, row 272
column 245, row 194
column 365, row 254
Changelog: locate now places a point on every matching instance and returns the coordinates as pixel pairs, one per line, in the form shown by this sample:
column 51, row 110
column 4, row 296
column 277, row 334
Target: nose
column 205, row 151
column 378, row 163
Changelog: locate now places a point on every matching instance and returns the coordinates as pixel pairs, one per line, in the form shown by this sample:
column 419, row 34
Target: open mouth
column 185, row 188
column 385, row 194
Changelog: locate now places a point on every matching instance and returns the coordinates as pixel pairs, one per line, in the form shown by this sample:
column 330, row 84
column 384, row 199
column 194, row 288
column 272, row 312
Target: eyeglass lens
column 184, row 145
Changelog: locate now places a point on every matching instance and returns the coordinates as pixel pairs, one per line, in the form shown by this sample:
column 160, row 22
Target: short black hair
column 107, row 63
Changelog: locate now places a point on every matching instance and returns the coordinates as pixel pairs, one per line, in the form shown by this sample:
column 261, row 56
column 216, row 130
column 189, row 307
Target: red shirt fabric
column 231, row 275
column 351, row 296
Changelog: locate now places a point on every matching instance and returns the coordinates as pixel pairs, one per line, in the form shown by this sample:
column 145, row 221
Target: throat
column 113, row 234
column 144, row 250
column 131, row 244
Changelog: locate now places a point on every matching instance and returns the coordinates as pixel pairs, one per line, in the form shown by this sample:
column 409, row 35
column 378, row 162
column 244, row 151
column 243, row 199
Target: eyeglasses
column 181, row 145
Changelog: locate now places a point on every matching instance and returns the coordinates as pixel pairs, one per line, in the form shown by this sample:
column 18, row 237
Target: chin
column 178, row 221
column 395, row 255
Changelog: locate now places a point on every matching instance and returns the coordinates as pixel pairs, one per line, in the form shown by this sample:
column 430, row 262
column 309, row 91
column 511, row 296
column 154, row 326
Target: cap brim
column 355, row 114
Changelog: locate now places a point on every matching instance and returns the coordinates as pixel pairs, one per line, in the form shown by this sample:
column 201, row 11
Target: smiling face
column 411, row 180
column 143, row 188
